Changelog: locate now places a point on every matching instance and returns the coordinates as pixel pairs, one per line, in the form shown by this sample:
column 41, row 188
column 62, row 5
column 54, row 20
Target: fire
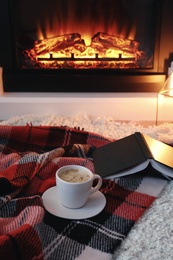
column 67, row 17
column 71, row 51
column 85, row 42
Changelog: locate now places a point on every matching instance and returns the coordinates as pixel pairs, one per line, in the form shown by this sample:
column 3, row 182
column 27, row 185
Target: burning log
column 69, row 50
column 103, row 41
column 59, row 43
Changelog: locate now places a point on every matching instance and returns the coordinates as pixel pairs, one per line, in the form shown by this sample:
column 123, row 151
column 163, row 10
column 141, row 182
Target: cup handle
column 99, row 184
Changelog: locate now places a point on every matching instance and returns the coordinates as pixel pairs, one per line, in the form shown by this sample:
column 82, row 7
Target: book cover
column 129, row 152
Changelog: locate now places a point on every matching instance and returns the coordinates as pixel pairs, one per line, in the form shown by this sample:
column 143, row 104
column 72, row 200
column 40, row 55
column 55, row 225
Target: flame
column 132, row 33
column 40, row 35
column 69, row 51
column 86, row 33
column 64, row 21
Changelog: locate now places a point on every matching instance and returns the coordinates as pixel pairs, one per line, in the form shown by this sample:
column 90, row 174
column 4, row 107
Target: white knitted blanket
column 152, row 237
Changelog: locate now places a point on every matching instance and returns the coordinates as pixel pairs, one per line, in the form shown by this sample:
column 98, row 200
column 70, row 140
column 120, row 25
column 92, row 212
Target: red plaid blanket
column 29, row 158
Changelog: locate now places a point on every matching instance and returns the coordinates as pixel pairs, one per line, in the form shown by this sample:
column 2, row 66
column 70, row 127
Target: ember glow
column 81, row 42
column 70, row 51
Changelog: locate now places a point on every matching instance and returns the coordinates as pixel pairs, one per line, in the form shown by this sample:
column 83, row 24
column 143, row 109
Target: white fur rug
column 152, row 237
column 103, row 125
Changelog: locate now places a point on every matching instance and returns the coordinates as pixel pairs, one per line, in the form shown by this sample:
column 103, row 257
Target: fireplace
column 102, row 34
column 85, row 46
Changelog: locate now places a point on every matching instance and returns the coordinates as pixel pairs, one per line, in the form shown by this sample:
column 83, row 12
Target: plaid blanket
column 29, row 158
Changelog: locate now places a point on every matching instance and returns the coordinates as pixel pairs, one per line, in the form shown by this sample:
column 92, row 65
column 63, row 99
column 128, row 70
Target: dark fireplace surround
column 86, row 80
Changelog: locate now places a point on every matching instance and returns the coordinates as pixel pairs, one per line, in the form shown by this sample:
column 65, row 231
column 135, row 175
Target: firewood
column 106, row 41
column 59, row 43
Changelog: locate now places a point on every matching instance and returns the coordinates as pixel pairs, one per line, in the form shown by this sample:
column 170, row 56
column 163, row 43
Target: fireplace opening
column 85, row 46
column 86, row 35
column 75, row 34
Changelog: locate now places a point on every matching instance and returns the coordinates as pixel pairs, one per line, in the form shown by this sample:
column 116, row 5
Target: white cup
column 75, row 188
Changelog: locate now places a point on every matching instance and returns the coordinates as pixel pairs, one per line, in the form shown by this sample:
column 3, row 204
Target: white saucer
column 94, row 205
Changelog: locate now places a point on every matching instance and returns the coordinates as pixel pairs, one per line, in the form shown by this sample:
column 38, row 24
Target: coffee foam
column 74, row 175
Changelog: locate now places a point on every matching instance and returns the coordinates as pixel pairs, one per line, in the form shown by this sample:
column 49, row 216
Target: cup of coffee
column 75, row 185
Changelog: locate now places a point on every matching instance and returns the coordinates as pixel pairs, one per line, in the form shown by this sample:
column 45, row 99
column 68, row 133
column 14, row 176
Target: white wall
column 120, row 106
column 165, row 109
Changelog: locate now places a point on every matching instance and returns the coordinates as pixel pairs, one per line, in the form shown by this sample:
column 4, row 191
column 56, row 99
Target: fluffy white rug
column 152, row 237
column 103, row 125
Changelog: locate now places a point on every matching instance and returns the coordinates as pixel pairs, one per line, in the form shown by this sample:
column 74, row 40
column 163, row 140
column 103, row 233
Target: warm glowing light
column 168, row 86
column 132, row 33
column 40, row 35
column 102, row 50
column 87, row 38
column 84, row 43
